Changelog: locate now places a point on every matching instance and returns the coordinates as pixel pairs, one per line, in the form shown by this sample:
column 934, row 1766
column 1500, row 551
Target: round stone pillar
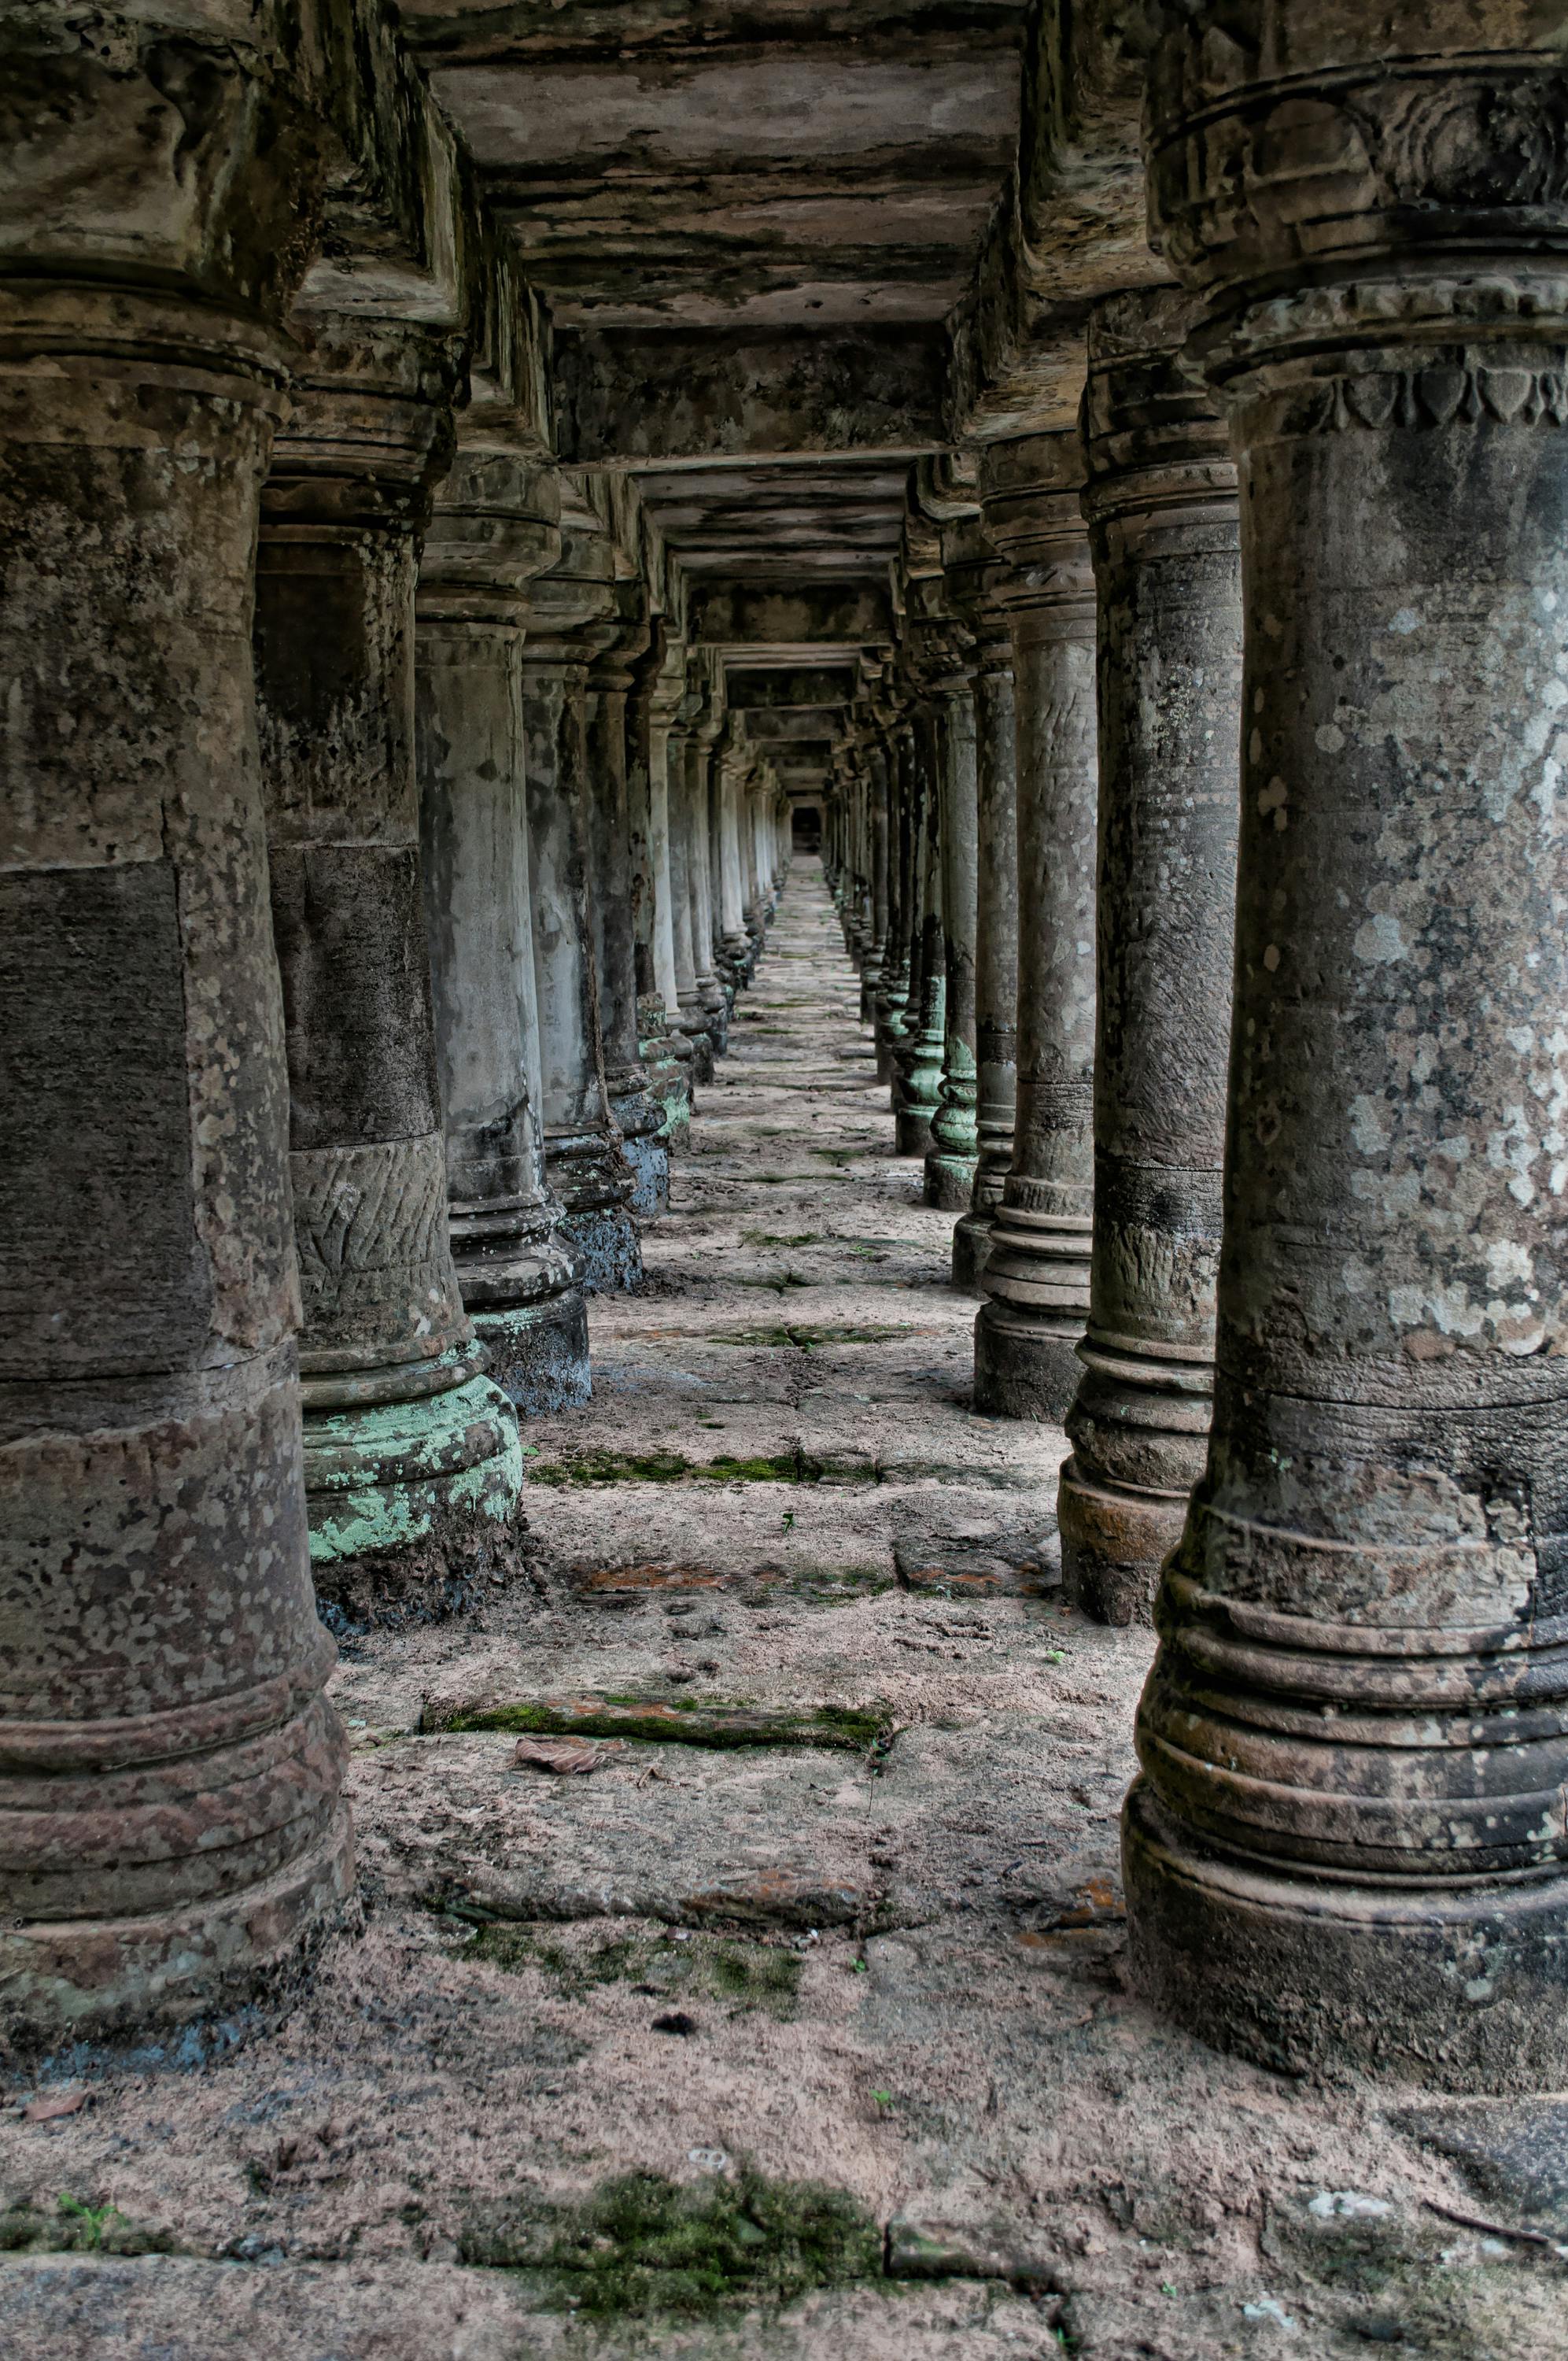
column 496, row 525
column 732, row 901
column 568, row 610
column 691, row 1011
column 997, row 931
column 609, row 813
column 919, row 1057
column 412, row 1462
column 893, row 997
column 667, row 1057
column 172, row 1837
column 1036, row 1278
column 1162, row 511
column 876, row 957
column 701, row 739
column 1348, row 1843
column 950, row 1161
column 664, row 766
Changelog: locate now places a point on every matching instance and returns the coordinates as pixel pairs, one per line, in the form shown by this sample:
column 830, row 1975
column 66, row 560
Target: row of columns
column 345, row 843
column 1279, row 1236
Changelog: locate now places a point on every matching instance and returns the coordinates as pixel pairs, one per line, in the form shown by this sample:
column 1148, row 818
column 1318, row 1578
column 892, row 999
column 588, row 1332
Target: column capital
column 1153, row 438
column 371, row 424
column 495, row 525
column 1032, row 490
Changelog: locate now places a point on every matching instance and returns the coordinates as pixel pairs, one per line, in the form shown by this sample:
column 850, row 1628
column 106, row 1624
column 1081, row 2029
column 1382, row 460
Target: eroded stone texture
column 1035, row 1279
column 496, row 525
column 1161, row 505
column 171, row 1829
column 1348, row 1840
column 568, row 622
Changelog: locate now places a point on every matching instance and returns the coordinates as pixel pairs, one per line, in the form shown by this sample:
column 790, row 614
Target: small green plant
column 92, row 2220
column 882, row 2098
column 789, row 1521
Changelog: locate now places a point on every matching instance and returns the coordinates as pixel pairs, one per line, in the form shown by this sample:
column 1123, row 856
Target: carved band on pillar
column 172, row 1831
column 1036, row 1278
column 496, row 525
column 1162, row 509
column 412, row 1463
column 1348, row 1842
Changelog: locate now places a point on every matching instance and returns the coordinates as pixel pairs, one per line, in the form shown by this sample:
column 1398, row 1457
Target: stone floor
column 791, row 2022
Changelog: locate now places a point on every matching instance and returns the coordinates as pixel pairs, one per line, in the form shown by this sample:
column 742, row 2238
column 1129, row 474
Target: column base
column 971, row 1251
column 701, row 1044
column 638, row 1118
column 413, row 1503
column 539, row 1351
column 1025, row 1363
column 949, row 1179
column 103, row 1979
column 1114, row 1544
column 1460, row 1988
column 606, row 1238
column 912, row 1129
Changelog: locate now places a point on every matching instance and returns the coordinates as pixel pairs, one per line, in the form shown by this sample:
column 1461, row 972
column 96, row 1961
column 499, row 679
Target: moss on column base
column 413, row 1503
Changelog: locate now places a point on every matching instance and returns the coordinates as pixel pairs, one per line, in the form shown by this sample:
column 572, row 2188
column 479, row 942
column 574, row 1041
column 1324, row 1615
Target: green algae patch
column 743, row 1978
column 74, row 2227
column 766, row 1238
column 666, row 1467
column 684, row 1722
column 640, row 2244
column 804, row 1338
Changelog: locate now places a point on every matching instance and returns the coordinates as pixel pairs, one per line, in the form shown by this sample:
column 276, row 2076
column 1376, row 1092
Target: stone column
column 701, row 743
column 950, row 1163
column 1036, row 1278
column 731, row 897
column 924, row 1040
column 412, row 1463
column 690, row 1014
column 567, row 610
column 1162, row 508
column 876, row 956
column 608, row 816
column 496, row 525
column 997, row 925
column 172, row 1838
column 893, row 997
column 1347, row 1845
column 732, row 976
column 664, row 703
column 667, row 1057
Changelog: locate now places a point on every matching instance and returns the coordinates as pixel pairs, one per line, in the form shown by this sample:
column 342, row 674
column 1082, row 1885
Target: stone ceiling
column 750, row 223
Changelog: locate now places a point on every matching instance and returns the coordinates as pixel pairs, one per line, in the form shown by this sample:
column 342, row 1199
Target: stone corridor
column 827, row 1900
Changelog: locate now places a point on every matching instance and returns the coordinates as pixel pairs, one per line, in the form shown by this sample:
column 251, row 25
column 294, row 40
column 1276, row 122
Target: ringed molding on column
column 1349, row 1845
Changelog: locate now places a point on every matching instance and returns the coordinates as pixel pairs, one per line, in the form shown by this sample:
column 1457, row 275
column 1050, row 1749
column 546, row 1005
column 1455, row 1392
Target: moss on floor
column 686, row 1722
column 743, row 1977
column 641, row 2245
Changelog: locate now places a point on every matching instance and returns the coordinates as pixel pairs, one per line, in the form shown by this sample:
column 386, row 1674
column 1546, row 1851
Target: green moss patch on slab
column 641, row 2245
column 807, row 1338
column 666, row 1467
column 743, row 1977
column 686, row 1722
column 75, row 2227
